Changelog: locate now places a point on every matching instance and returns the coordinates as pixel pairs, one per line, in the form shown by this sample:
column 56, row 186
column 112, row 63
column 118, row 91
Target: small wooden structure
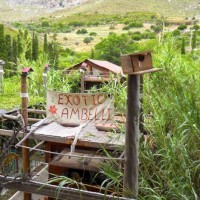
column 96, row 71
column 134, row 65
column 73, row 137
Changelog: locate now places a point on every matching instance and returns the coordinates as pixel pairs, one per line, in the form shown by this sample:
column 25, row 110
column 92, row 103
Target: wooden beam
column 52, row 190
column 33, row 120
column 9, row 133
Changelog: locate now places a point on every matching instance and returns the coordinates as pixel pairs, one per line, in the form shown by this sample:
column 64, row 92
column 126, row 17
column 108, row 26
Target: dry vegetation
column 74, row 41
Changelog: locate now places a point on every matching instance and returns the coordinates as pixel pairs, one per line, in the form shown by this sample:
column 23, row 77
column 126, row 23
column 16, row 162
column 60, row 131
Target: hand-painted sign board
column 79, row 108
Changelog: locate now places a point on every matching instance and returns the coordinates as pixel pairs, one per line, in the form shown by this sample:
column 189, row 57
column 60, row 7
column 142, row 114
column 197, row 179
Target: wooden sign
column 79, row 108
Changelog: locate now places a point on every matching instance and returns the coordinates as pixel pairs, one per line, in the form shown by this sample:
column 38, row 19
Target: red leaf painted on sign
column 53, row 109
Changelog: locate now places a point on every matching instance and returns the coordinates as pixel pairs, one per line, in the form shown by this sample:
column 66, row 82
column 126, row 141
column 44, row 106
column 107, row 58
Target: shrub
column 81, row 31
column 126, row 28
column 196, row 27
column 136, row 37
column 135, row 25
column 148, row 35
column 93, row 34
column 87, row 40
column 76, row 23
column 112, row 27
column 182, row 27
column 156, row 29
column 176, row 32
column 66, row 29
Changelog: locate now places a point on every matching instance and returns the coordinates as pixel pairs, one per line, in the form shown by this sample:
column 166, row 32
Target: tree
column 9, row 53
column 53, row 54
column 183, row 46
column 2, row 43
column 92, row 53
column 28, row 54
column 45, row 45
column 35, row 47
column 194, row 40
column 113, row 46
column 19, row 44
column 15, row 51
column 45, row 24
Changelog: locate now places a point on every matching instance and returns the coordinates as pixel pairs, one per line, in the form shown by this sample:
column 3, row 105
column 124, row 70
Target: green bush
column 196, row 27
column 81, row 31
column 156, row 29
column 76, row 23
column 136, row 36
column 182, row 27
column 93, row 34
column 147, row 34
column 135, row 25
column 88, row 39
column 176, row 32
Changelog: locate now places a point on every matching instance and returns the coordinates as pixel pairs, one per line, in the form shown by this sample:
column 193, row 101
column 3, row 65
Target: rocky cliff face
column 20, row 10
column 50, row 4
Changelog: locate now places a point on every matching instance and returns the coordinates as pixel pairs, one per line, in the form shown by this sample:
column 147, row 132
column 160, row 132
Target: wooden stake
column 25, row 152
column 132, row 132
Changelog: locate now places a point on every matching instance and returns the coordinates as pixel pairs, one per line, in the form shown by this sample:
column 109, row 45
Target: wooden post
column 1, row 76
column 132, row 132
column 82, row 83
column 141, row 124
column 25, row 151
column 134, row 65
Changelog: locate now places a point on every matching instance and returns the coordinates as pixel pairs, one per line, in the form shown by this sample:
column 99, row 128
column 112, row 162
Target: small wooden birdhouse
column 138, row 63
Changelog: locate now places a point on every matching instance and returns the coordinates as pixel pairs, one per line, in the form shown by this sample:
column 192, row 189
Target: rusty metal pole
column 131, row 142
column 25, row 151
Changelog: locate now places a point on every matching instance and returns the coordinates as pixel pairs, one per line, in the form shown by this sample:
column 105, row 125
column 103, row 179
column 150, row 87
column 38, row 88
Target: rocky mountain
column 17, row 10
column 50, row 4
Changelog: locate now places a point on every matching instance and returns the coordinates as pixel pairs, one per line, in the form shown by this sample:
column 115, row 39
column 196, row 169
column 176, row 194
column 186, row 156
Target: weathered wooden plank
column 33, row 120
column 52, row 190
column 83, row 161
column 36, row 111
column 94, row 144
column 9, row 133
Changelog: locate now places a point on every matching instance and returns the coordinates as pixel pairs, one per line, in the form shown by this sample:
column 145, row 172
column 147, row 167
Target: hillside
column 168, row 8
column 13, row 10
